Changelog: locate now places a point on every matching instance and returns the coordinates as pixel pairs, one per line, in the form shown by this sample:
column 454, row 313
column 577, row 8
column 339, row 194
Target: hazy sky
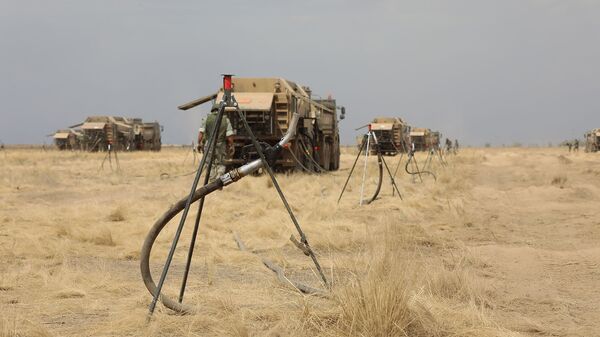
column 482, row 71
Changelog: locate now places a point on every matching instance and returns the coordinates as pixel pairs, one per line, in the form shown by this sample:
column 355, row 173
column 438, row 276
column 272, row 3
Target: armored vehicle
column 420, row 138
column 268, row 104
column 592, row 141
column 67, row 139
column 393, row 134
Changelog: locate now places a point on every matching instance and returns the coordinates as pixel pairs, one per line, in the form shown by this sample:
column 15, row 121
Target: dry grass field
column 504, row 243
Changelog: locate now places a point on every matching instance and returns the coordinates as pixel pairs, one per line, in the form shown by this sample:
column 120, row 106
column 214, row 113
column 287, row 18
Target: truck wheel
column 335, row 160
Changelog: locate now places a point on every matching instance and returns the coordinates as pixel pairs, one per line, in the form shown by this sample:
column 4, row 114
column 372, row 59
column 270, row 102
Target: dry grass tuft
column 380, row 304
column 398, row 298
column 19, row 327
column 101, row 236
column 564, row 160
column 117, row 215
column 70, row 293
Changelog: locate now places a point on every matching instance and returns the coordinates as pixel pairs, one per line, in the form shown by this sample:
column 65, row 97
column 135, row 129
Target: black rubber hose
column 418, row 172
column 153, row 234
column 380, row 164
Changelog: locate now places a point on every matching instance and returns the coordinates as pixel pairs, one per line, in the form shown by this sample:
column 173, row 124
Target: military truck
column 101, row 131
column 420, row 138
column 268, row 105
column 393, row 135
column 435, row 137
column 592, row 140
column 146, row 136
column 96, row 133
column 67, row 139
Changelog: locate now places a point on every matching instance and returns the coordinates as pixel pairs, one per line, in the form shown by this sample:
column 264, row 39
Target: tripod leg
column 362, row 146
column 396, row 170
column 441, row 158
column 109, row 154
column 212, row 142
column 394, row 186
column 417, row 167
column 117, row 161
column 103, row 160
column 303, row 238
column 211, row 157
column 399, row 160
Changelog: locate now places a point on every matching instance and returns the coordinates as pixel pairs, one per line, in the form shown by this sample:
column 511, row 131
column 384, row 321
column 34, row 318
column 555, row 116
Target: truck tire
column 336, row 156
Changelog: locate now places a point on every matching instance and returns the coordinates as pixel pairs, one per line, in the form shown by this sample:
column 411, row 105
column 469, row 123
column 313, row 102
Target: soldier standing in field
column 576, row 145
column 224, row 140
column 448, row 146
column 455, row 146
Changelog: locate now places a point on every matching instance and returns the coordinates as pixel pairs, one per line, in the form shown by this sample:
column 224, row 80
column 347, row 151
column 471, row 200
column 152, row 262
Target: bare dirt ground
column 504, row 243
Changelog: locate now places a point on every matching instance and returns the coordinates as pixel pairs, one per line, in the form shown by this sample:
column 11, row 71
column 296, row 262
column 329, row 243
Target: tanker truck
column 393, row 135
column 268, row 105
column 420, row 138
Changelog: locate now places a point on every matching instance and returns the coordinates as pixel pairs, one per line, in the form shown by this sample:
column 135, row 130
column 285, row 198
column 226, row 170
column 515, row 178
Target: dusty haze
column 483, row 71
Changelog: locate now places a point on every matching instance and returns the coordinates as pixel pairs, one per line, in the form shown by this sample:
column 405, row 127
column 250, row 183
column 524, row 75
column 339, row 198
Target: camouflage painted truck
column 434, row 141
column 146, row 136
column 393, row 135
column 101, row 131
column 592, row 141
column 122, row 134
column 67, row 139
column 420, row 138
column 268, row 105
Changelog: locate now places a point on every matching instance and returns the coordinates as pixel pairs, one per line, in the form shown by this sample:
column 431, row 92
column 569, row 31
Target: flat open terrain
column 504, row 243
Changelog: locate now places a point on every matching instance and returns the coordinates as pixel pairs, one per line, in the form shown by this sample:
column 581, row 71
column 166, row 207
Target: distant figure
column 448, row 146
column 570, row 146
column 224, row 141
column 576, row 145
column 455, row 145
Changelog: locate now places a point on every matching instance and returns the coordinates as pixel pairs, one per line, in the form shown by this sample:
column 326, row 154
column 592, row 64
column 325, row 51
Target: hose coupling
column 230, row 177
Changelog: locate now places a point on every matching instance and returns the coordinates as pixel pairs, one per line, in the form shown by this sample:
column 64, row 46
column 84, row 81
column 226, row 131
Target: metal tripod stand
column 370, row 139
column 267, row 156
column 434, row 151
column 109, row 154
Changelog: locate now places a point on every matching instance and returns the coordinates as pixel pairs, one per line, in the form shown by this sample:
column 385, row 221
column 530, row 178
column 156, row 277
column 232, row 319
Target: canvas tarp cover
column 382, row 126
column 93, row 125
column 61, row 135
